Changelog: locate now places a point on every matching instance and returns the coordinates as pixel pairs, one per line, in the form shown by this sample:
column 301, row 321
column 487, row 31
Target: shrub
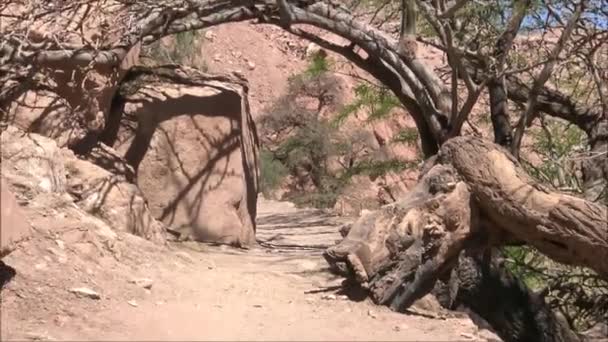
column 307, row 145
column 272, row 172
column 184, row 49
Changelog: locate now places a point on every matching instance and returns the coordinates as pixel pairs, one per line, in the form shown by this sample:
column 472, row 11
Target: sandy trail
column 200, row 292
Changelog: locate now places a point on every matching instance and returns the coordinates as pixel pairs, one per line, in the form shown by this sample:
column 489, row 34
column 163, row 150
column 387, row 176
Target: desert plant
column 272, row 172
column 184, row 48
column 376, row 101
column 307, row 144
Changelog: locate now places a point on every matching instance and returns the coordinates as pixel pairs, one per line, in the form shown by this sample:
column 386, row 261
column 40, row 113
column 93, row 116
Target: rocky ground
column 73, row 280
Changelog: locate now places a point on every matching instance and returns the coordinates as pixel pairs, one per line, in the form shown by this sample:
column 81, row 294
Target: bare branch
column 542, row 78
column 451, row 11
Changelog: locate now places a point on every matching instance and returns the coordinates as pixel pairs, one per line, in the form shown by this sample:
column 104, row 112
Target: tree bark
column 473, row 194
column 499, row 114
column 513, row 311
column 566, row 228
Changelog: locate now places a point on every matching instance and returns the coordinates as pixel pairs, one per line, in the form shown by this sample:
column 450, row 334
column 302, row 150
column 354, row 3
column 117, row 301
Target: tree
column 472, row 194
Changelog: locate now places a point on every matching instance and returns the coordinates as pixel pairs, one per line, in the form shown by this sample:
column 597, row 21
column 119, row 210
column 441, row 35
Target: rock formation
column 13, row 224
column 68, row 99
column 194, row 150
column 37, row 166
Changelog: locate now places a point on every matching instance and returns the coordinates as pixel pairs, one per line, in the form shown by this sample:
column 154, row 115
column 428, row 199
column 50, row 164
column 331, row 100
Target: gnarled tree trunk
column 474, row 194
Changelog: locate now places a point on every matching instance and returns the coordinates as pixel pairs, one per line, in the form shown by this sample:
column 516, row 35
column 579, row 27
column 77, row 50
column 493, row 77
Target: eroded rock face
column 194, row 151
column 13, row 224
column 67, row 100
column 36, row 165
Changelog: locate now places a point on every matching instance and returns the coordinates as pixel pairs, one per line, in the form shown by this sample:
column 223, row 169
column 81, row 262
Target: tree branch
column 542, row 78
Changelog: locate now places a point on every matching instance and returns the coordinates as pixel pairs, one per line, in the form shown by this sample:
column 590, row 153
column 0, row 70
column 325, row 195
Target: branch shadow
column 7, row 273
column 219, row 143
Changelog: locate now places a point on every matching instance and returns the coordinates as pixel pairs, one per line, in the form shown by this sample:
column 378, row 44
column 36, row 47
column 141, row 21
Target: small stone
column 342, row 297
column 251, row 65
column 35, row 336
column 142, row 282
column 133, row 303
column 185, row 255
column 307, row 265
column 209, row 35
column 309, row 300
column 217, row 57
column 60, row 244
column 329, row 297
column 40, row 266
column 61, row 320
column 257, row 305
column 85, row 292
column 467, row 336
column 372, row 314
column 400, row 327
column 54, row 251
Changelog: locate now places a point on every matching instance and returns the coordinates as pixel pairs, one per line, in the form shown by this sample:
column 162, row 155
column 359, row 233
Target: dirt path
column 198, row 292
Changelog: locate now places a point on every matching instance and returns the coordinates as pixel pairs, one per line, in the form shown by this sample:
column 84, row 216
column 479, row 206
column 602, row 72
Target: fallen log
column 473, row 195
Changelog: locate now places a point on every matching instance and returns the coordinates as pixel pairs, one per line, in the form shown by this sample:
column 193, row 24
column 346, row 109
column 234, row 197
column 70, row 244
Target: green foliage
column 375, row 168
column 579, row 293
column 317, row 199
column 523, row 261
column 272, row 172
column 314, row 150
column 407, row 135
column 310, row 148
column 559, row 140
column 378, row 102
column 558, row 144
column 318, row 64
column 184, row 50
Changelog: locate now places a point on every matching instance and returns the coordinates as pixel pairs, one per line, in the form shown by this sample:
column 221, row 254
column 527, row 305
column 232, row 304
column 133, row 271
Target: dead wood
column 473, row 195
column 566, row 228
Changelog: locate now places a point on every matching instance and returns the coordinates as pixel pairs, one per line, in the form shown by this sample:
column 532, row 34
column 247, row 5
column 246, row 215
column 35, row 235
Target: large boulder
column 36, row 165
column 14, row 226
column 194, row 151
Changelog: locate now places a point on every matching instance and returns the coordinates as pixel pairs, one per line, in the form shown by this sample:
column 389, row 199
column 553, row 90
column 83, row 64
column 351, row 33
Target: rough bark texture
column 194, row 150
column 566, row 228
column 399, row 251
column 474, row 194
column 496, row 295
column 499, row 114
